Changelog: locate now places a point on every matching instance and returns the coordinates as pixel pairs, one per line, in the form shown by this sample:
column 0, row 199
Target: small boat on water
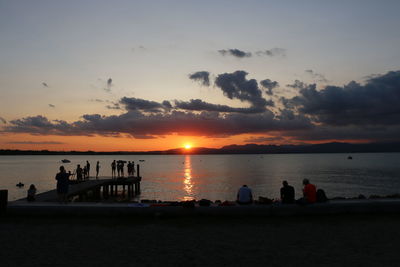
column 141, row 160
column 19, row 185
column 65, row 161
column 349, row 157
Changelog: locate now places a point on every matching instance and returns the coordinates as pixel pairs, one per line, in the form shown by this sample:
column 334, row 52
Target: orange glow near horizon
column 103, row 143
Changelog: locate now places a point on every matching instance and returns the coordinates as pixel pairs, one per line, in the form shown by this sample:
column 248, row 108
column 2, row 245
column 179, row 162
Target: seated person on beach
column 62, row 184
column 309, row 193
column 245, row 195
column 31, row 193
column 287, row 193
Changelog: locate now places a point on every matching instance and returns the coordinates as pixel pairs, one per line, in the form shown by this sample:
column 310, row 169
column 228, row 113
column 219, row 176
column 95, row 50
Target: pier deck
column 107, row 187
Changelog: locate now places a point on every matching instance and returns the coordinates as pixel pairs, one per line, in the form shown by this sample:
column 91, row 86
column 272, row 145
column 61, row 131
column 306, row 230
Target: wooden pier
column 95, row 189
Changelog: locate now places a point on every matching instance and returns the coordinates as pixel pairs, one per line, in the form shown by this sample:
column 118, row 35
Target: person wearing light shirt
column 245, row 195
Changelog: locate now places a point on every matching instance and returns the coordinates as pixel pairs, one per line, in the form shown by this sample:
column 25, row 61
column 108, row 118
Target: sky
column 155, row 75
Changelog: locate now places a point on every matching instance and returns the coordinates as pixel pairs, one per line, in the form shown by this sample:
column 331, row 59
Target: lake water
column 183, row 177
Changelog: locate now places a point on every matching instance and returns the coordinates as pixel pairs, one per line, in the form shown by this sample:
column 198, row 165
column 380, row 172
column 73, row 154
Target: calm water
column 181, row 177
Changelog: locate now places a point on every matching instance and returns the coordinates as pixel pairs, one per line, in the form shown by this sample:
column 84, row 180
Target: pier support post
column 3, row 201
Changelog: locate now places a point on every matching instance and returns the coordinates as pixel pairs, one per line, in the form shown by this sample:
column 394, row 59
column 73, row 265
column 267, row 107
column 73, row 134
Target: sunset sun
column 187, row 146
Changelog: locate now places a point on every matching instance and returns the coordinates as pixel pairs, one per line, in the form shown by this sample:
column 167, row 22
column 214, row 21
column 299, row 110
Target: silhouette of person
column 244, row 195
column 88, row 169
column 122, row 168
column 79, row 173
column 309, row 193
column 129, row 166
column 31, row 193
column 119, row 168
column 287, row 193
column 85, row 173
column 113, row 166
column 62, row 184
column 97, row 169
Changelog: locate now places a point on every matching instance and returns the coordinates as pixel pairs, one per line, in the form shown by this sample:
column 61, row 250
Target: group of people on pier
column 118, row 167
column 287, row 193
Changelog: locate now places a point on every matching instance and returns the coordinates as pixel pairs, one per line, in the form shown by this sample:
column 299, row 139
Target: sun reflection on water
column 187, row 182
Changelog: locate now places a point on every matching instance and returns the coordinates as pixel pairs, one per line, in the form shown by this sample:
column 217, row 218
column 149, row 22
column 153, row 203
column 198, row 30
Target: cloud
column 317, row 76
column 236, row 86
column 299, row 85
column 264, row 139
column 114, row 106
column 96, row 100
column 272, row 52
column 52, row 106
column 35, row 143
column 234, row 52
column 136, row 123
column 269, row 85
column 200, row 105
column 109, row 85
column 374, row 103
column 201, row 76
column 132, row 103
column 3, row 120
column 45, row 84
column 355, row 111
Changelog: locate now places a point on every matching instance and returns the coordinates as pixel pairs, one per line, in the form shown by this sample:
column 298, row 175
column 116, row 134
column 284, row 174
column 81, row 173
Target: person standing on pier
column 113, row 166
column 85, row 173
column 79, row 172
column 97, row 169
column 88, row 169
column 129, row 167
column 62, row 185
column 119, row 168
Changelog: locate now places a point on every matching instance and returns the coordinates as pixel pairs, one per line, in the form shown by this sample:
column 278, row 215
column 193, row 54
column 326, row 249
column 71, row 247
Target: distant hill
column 334, row 147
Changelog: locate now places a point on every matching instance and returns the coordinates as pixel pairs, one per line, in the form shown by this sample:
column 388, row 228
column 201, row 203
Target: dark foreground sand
column 346, row 240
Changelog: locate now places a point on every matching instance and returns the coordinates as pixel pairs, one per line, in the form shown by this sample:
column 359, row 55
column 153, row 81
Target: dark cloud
column 52, row 106
column 200, row 105
column 136, row 123
column 272, row 52
column 114, row 106
column 236, row 86
column 96, row 100
column 269, row 85
column 264, row 139
column 201, row 76
column 45, row 84
column 35, row 143
column 132, row 103
column 368, row 111
column 40, row 125
column 374, row 103
column 109, row 85
column 3, row 120
column 316, row 76
column 234, row 52
column 299, row 85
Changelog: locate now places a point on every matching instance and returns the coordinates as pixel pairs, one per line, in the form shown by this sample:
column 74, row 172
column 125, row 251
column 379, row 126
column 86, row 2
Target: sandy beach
column 336, row 240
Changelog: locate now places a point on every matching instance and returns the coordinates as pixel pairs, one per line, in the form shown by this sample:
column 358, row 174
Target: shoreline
column 333, row 207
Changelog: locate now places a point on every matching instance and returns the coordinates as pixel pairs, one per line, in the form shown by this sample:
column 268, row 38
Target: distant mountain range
column 334, row 147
